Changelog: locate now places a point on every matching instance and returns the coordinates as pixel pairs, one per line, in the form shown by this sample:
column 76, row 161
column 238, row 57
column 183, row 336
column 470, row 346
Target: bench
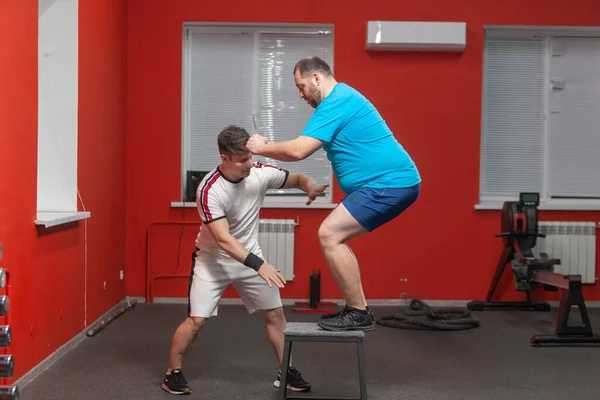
column 310, row 332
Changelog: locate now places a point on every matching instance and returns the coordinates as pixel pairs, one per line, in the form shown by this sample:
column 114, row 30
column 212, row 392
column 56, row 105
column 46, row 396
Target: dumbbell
column 3, row 305
column 5, row 335
column 9, row 392
column 7, row 365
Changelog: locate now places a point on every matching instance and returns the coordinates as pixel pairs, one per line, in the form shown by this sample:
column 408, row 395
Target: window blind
column 574, row 122
column 221, row 85
column 282, row 114
column 235, row 75
column 513, row 110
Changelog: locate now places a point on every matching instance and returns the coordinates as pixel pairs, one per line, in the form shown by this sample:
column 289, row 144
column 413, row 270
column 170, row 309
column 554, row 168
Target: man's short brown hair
column 310, row 65
column 233, row 139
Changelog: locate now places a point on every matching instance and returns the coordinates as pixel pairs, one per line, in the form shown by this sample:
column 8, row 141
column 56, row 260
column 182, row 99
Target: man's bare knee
column 327, row 236
column 339, row 227
column 195, row 324
column 274, row 315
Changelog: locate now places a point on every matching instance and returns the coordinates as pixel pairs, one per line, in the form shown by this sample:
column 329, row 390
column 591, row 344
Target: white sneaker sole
column 166, row 388
column 290, row 387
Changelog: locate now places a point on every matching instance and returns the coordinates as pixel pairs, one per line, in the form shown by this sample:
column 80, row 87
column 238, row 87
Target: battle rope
column 421, row 316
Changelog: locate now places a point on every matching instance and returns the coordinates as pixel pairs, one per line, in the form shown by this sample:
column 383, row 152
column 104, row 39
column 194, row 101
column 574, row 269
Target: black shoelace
column 347, row 316
column 341, row 312
column 178, row 378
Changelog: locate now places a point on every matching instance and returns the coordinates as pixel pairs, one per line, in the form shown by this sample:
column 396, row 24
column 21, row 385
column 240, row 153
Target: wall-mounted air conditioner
column 416, row 36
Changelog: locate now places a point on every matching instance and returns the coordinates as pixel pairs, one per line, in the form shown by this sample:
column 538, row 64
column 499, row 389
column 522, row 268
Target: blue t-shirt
column 362, row 149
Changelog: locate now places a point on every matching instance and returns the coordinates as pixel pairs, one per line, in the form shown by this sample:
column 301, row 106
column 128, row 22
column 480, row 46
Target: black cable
column 422, row 317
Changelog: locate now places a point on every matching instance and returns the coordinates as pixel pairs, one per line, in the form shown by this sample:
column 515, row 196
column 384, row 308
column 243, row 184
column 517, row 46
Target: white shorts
column 211, row 277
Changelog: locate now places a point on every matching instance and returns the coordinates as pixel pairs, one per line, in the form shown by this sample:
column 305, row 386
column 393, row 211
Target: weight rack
column 7, row 361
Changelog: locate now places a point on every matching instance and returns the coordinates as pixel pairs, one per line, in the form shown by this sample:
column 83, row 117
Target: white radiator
column 574, row 243
column 276, row 239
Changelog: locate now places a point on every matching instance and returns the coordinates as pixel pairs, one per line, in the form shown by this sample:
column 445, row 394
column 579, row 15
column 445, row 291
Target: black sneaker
column 175, row 383
column 334, row 315
column 295, row 382
column 349, row 319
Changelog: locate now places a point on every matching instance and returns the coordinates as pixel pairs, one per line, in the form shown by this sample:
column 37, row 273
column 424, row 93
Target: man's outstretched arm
column 305, row 183
column 289, row 150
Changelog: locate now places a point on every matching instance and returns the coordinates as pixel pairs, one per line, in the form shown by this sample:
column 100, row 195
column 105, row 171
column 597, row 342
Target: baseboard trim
column 139, row 299
column 36, row 371
column 339, row 302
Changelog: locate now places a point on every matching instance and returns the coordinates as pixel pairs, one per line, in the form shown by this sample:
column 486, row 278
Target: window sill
column 553, row 205
column 271, row 204
column 49, row 218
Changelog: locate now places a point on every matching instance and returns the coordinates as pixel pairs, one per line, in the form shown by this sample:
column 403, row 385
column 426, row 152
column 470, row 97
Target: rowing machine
column 520, row 232
column 519, row 223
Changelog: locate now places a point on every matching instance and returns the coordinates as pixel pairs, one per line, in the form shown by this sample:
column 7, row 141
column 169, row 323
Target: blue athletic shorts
column 373, row 207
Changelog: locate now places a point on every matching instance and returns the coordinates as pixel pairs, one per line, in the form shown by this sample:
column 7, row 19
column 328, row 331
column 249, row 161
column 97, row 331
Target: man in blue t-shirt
column 372, row 168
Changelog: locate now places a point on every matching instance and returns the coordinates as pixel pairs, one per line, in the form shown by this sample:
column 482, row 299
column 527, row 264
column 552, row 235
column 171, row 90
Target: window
column 57, row 113
column 541, row 116
column 243, row 75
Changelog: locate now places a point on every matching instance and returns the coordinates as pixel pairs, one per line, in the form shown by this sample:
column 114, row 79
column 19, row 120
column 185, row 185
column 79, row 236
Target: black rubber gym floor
column 233, row 360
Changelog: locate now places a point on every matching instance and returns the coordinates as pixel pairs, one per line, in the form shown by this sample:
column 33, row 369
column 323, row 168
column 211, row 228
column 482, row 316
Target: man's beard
column 315, row 96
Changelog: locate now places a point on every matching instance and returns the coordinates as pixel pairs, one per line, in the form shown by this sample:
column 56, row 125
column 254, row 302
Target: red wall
column 47, row 266
column 442, row 246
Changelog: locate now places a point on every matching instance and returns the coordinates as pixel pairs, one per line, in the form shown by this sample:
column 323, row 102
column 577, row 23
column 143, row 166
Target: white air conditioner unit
column 416, row 36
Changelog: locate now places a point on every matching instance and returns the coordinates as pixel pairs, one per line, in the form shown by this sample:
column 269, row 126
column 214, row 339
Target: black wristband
column 253, row 261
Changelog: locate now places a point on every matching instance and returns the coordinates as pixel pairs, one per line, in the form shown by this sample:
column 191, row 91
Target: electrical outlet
column 121, row 273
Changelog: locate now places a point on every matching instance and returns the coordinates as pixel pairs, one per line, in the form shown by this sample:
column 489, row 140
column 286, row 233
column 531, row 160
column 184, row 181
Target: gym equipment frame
column 520, row 231
column 7, row 361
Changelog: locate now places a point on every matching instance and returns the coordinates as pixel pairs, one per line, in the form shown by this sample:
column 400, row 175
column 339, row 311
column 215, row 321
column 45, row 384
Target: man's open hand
column 271, row 274
column 256, row 143
column 314, row 192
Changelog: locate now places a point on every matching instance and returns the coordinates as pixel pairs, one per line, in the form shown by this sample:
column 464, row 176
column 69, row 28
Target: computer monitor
column 529, row 198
